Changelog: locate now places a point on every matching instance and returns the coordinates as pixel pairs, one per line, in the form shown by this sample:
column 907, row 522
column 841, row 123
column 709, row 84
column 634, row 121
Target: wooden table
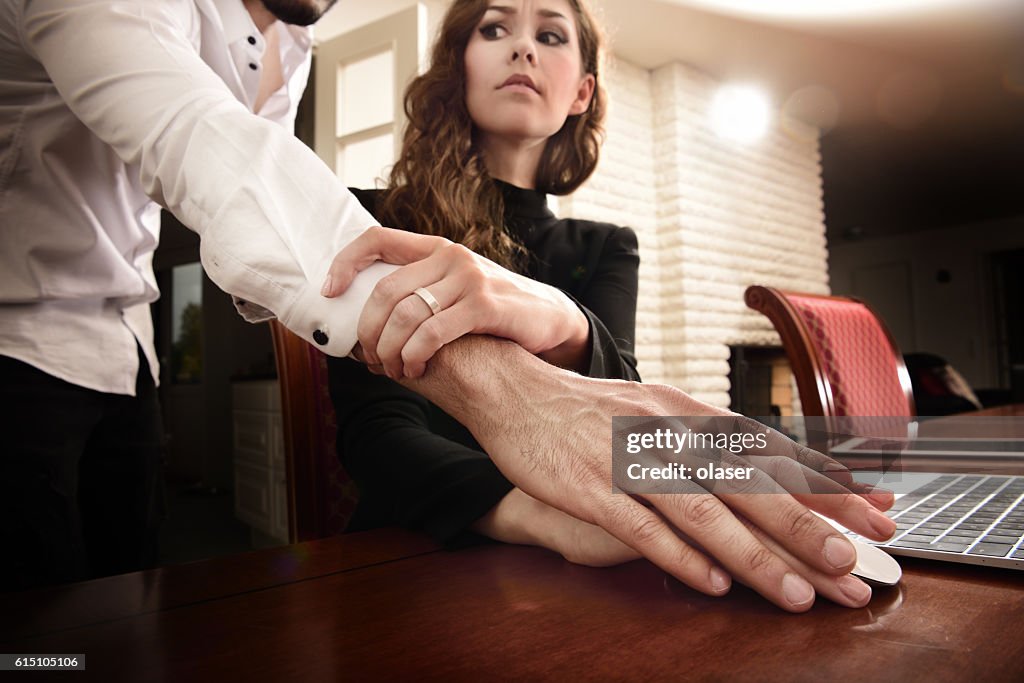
column 390, row 605
column 387, row 605
column 1008, row 410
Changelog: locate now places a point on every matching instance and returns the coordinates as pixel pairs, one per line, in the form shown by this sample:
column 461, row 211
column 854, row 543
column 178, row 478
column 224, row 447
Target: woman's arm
column 609, row 302
column 475, row 295
column 432, row 483
column 426, row 481
column 522, row 519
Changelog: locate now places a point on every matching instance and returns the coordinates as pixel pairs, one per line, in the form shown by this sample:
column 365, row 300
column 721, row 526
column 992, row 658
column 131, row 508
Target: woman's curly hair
column 440, row 185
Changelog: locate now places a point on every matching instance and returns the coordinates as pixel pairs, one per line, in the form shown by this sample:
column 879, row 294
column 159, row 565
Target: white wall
column 623, row 191
column 898, row 276
column 713, row 217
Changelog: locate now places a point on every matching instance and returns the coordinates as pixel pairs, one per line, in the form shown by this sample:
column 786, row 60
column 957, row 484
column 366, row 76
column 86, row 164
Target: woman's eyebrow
column 546, row 13
column 551, row 14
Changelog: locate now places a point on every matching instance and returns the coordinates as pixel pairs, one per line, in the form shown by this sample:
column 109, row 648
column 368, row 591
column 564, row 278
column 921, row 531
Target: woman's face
column 524, row 72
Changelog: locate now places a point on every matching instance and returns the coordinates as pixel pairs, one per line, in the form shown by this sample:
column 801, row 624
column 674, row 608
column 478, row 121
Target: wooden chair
column 321, row 495
column 845, row 360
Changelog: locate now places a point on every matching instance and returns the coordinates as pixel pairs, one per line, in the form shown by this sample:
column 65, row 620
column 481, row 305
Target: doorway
column 1008, row 288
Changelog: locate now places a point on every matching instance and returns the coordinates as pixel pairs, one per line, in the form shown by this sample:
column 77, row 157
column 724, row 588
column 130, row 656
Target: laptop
column 970, row 518
column 929, row 447
column 966, row 518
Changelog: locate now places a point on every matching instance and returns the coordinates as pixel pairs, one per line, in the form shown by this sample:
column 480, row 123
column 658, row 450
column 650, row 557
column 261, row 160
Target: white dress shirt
column 111, row 107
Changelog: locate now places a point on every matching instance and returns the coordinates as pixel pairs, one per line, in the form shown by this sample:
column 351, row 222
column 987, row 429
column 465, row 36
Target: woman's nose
column 524, row 49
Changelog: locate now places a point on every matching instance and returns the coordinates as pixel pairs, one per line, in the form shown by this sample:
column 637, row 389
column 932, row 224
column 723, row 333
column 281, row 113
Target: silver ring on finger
column 428, row 299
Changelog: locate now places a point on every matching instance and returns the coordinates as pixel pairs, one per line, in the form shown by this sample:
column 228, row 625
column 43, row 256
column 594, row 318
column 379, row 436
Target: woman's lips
column 520, row 80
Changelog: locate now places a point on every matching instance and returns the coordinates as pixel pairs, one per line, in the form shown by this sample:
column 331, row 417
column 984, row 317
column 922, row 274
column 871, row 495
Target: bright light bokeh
column 811, row 9
column 740, row 113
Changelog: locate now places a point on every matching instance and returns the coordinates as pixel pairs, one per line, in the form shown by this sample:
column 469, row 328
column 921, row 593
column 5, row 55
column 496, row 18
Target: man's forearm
column 535, row 421
column 486, row 383
column 549, row 431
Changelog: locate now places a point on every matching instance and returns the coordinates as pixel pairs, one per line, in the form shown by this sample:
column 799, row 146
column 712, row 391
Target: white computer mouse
column 874, row 565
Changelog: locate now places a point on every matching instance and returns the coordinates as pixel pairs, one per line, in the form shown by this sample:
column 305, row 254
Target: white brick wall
column 712, row 216
column 622, row 191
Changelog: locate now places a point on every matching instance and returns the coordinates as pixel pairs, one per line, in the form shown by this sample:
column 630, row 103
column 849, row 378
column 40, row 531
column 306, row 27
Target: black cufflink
column 252, row 40
column 253, row 66
column 320, row 338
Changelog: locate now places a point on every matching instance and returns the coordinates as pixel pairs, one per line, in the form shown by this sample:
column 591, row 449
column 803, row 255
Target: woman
column 510, row 109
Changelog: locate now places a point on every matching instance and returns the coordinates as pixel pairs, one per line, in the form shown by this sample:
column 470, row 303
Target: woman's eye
column 492, row 31
column 551, row 38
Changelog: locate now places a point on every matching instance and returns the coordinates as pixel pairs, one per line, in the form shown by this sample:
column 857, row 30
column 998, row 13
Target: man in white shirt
column 107, row 106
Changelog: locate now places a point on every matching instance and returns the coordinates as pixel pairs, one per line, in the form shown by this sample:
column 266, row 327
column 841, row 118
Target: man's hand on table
column 549, row 431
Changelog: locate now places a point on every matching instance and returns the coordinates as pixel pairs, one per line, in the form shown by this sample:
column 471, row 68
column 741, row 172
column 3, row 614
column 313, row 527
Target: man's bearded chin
column 298, row 12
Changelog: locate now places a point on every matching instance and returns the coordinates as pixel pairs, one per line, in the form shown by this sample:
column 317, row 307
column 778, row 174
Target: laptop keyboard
column 964, row 514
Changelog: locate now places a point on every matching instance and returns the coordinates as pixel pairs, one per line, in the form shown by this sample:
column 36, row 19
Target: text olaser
column 677, row 471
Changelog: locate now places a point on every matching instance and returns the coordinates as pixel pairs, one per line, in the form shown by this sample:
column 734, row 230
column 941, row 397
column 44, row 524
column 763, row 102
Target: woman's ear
column 583, row 95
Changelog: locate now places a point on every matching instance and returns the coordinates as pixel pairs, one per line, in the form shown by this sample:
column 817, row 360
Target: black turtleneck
column 418, row 467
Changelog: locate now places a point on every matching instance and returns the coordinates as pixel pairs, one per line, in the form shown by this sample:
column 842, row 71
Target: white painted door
column 360, row 78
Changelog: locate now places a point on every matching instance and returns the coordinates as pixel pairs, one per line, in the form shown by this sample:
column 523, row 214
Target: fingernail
column 326, row 289
column 880, row 523
column 797, row 591
column 839, row 552
column 855, row 589
column 834, row 467
column 720, row 581
column 881, row 497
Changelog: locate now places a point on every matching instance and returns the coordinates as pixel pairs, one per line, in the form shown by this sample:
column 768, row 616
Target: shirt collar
column 302, row 35
column 237, row 22
column 523, row 203
column 238, row 25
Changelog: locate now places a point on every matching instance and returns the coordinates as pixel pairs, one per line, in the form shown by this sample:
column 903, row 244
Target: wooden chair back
column 845, row 360
column 321, row 495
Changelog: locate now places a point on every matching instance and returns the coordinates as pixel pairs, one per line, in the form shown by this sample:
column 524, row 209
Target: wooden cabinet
column 261, row 498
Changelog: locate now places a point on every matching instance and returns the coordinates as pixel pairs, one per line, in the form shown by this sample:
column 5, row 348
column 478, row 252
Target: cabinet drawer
column 276, row 439
column 253, row 496
column 257, row 396
column 279, row 507
column 252, row 438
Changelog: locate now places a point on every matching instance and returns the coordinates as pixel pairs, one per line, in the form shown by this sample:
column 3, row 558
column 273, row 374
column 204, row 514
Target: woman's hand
column 398, row 330
column 522, row 519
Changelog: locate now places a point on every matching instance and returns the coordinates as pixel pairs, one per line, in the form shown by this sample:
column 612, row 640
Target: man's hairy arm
column 549, row 431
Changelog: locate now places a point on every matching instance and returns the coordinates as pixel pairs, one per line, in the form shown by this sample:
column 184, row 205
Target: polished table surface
column 387, row 605
column 390, row 605
column 1008, row 410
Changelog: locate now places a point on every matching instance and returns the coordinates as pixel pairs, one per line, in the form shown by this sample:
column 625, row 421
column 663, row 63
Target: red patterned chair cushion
column 856, row 354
